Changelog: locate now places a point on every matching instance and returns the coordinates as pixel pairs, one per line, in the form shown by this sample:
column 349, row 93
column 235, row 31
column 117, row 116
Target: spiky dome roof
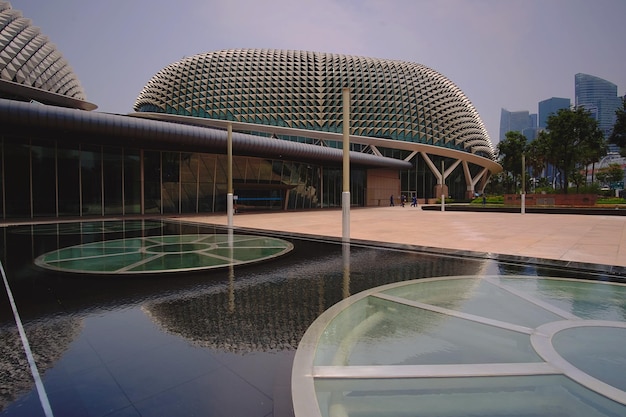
column 27, row 57
column 303, row 90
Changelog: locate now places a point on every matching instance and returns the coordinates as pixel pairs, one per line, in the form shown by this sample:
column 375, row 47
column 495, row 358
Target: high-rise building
column 598, row 96
column 551, row 106
column 518, row 121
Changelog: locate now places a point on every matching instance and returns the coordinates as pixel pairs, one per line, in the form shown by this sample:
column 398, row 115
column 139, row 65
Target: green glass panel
column 386, row 333
column 585, row 299
column 597, row 351
column 528, row 396
column 104, row 263
column 477, row 297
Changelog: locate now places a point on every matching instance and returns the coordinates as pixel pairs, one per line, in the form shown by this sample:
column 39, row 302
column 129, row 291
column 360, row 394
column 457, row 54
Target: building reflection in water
column 271, row 312
column 49, row 339
column 262, row 308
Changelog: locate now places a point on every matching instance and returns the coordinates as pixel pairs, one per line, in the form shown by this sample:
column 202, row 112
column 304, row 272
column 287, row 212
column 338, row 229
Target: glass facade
column 45, row 177
column 599, row 97
column 421, row 181
column 551, row 106
column 517, row 121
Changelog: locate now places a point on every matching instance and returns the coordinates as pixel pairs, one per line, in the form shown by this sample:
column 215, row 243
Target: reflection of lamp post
column 345, row 252
column 231, row 271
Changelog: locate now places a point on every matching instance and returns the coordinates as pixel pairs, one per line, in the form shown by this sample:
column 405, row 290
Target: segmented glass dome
column 303, row 90
column 28, row 58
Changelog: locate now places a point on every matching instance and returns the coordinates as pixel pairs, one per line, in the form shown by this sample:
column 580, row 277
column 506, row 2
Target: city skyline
column 596, row 95
column 115, row 47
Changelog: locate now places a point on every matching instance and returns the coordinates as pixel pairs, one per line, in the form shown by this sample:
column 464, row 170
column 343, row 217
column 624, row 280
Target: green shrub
column 611, row 200
column 491, row 199
column 586, row 189
column 546, row 190
column 448, row 200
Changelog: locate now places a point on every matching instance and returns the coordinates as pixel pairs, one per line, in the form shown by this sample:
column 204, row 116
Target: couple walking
column 403, row 200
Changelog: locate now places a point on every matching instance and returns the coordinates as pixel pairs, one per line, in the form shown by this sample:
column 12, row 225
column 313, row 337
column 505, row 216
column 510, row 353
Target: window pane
column 17, row 183
column 44, row 177
column 91, row 178
column 112, row 167
column 206, row 169
column 132, row 181
column 68, row 171
column 152, row 181
column 189, row 182
column 169, row 191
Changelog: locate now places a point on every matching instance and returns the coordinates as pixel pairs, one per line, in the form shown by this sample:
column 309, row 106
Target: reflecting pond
column 217, row 341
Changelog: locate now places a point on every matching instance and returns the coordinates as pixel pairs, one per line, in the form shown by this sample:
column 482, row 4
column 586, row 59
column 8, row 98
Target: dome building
column 31, row 66
column 412, row 132
column 297, row 96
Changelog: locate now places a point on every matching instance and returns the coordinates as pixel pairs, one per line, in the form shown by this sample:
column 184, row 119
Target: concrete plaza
column 566, row 238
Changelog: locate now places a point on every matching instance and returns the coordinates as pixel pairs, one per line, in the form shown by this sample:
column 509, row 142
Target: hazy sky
column 502, row 53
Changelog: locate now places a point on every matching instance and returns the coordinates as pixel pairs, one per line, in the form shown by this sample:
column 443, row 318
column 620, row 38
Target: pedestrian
column 414, row 201
column 484, row 199
column 391, row 201
column 402, row 199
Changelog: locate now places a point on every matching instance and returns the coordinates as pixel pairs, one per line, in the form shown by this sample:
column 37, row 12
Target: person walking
column 402, row 199
column 391, row 201
column 414, row 201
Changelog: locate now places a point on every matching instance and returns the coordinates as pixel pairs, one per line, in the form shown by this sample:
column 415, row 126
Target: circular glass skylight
column 159, row 254
column 467, row 346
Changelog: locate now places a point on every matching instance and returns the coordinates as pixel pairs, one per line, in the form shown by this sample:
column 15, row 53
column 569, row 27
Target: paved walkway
column 590, row 239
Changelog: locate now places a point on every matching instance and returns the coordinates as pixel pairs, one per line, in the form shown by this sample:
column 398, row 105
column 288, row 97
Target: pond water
column 216, row 341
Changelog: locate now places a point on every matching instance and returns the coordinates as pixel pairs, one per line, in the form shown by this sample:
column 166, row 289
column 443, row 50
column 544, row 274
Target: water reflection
column 49, row 339
column 270, row 311
column 247, row 313
column 345, row 255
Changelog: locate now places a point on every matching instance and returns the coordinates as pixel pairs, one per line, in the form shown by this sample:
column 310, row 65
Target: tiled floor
column 577, row 238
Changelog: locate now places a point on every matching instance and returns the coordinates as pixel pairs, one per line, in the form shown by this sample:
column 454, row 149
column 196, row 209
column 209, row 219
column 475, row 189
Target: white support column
column 443, row 182
column 442, row 174
column 345, row 195
column 229, row 195
column 375, row 150
column 408, row 158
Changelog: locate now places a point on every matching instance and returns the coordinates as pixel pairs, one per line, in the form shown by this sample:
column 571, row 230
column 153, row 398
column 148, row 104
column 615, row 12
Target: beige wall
column 381, row 183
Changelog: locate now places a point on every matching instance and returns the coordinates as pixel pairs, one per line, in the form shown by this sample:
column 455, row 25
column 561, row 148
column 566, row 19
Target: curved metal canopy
column 115, row 129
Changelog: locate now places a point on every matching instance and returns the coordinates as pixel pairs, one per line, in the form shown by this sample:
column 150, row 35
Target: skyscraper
column 598, row 96
column 517, row 121
column 551, row 106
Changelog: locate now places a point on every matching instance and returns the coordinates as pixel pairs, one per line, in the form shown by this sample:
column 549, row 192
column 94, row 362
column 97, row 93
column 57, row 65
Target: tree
column 510, row 151
column 596, row 148
column 496, row 184
column 573, row 140
column 615, row 173
column 618, row 136
column 612, row 173
column 536, row 154
column 602, row 176
column 578, row 179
